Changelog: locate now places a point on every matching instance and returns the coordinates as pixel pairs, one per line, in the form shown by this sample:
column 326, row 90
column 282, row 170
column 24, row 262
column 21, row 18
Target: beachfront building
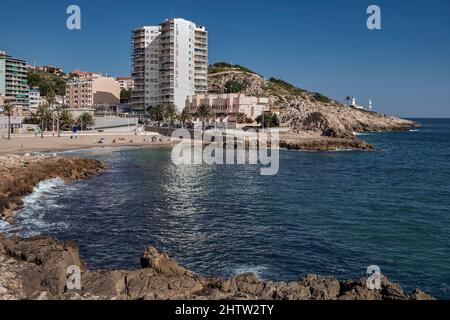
column 89, row 89
column 169, row 63
column 125, row 83
column 14, row 81
column 35, row 99
column 230, row 110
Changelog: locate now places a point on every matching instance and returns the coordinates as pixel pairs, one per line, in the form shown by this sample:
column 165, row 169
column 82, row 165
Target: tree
column 270, row 120
column 171, row 113
column 185, row 116
column 8, row 109
column 66, row 118
column 157, row 113
column 234, row 87
column 51, row 98
column 125, row 95
column 204, row 112
column 47, row 81
column 58, row 110
column 85, row 120
column 44, row 114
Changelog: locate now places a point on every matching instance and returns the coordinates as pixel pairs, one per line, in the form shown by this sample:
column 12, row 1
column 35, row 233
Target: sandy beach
column 30, row 144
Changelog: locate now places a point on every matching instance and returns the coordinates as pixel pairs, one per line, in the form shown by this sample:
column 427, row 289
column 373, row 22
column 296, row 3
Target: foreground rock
column 20, row 174
column 36, row 269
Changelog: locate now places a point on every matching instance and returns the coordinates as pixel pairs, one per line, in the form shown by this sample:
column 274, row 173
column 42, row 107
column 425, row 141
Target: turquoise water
column 326, row 213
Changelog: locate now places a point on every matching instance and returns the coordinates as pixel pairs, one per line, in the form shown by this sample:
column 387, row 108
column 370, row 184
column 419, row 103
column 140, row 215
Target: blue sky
column 320, row 45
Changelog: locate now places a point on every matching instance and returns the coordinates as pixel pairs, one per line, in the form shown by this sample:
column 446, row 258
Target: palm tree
column 171, row 113
column 86, row 119
column 51, row 98
column 185, row 116
column 66, row 118
column 58, row 110
column 204, row 112
column 157, row 113
column 8, row 109
column 44, row 114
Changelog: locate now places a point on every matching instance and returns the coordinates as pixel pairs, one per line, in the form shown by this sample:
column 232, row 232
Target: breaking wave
column 31, row 220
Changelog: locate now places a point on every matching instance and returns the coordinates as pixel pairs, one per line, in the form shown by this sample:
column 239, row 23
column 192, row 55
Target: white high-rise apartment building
column 170, row 63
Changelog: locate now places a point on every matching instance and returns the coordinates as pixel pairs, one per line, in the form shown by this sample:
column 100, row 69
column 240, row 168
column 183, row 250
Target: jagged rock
column 36, row 268
column 321, row 288
column 162, row 263
column 51, row 258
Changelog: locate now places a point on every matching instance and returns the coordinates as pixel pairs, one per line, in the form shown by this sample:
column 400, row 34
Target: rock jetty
column 36, row 268
column 291, row 142
column 20, row 174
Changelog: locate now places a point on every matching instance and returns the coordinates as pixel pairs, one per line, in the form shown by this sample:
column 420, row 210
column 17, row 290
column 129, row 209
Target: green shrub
column 287, row 86
column 321, row 98
column 234, row 87
column 224, row 66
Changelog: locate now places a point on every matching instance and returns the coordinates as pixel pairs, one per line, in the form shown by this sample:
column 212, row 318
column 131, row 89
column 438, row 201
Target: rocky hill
column 306, row 113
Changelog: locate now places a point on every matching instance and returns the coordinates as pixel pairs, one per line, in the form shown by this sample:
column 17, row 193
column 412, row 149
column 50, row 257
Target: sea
column 327, row 213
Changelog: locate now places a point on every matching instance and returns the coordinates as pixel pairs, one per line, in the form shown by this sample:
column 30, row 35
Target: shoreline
column 160, row 277
column 36, row 269
column 19, row 175
column 30, row 144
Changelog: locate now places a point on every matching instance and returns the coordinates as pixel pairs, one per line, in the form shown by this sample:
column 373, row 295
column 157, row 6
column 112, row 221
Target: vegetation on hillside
column 321, row 98
column 270, row 120
column 234, row 87
column 47, row 82
column 283, row 92
column 223, row 66
column 286, row 85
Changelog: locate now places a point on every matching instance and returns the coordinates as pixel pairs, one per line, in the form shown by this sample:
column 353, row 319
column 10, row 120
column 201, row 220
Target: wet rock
column 293, row 142
column 19, row 175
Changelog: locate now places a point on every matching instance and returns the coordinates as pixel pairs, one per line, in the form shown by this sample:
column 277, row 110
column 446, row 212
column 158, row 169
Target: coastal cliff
column 36, row 268
column 20, row 174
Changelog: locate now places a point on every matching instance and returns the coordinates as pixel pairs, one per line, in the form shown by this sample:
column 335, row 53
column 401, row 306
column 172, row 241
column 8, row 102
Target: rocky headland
column 36, row 268
column 306, row 114
column 19, row 175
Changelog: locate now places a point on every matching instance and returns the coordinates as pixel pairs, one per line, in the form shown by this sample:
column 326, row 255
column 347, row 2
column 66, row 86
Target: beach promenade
column 29, row 143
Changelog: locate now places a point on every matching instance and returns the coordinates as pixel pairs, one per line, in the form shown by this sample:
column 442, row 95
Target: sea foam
column 31, row 220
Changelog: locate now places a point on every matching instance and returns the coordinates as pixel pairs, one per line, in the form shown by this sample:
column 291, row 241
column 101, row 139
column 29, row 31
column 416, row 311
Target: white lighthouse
column 370, row 104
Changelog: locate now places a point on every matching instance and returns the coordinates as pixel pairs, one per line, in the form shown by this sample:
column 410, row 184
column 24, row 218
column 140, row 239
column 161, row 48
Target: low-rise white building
column 228, row 109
